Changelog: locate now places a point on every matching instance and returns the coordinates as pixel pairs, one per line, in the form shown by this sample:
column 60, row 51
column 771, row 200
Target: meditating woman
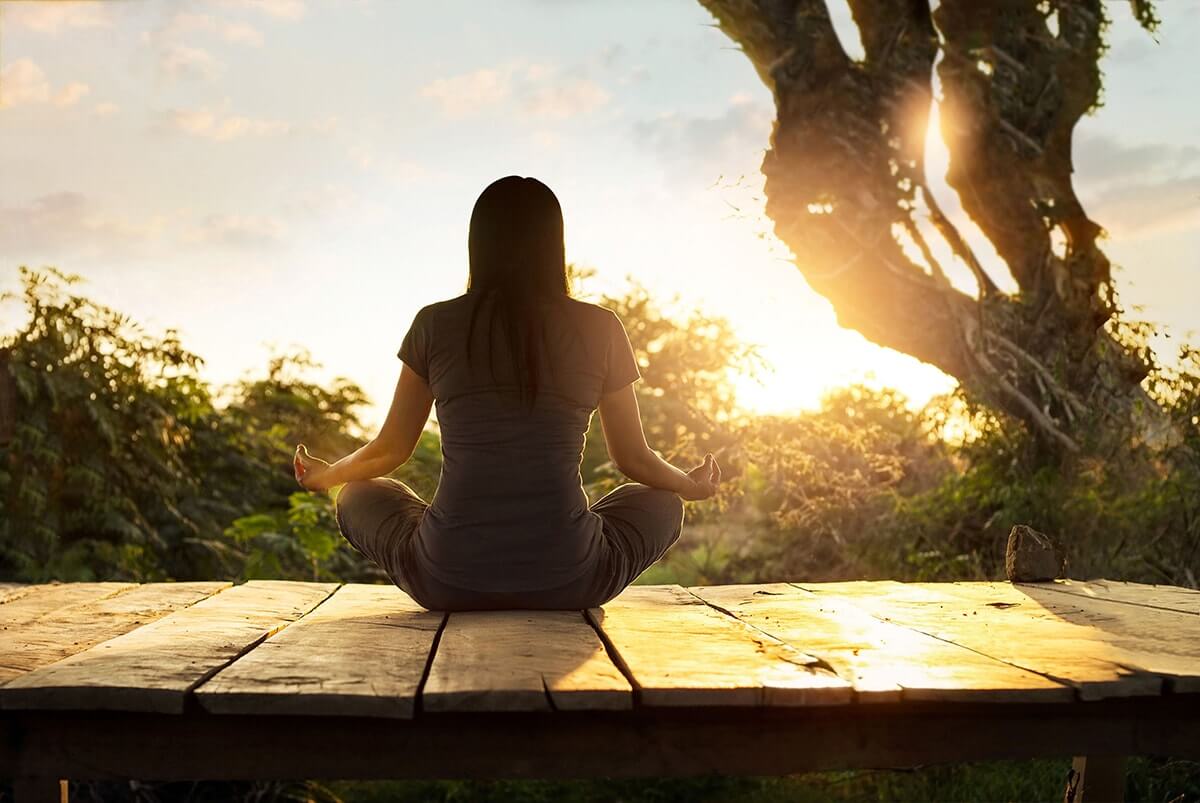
column 517, row 368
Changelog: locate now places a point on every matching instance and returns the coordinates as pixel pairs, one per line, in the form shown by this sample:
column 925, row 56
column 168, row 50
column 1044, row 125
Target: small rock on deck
column 277, row 679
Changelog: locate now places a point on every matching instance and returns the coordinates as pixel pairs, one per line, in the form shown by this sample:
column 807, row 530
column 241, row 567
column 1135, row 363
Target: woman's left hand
column 312, row 473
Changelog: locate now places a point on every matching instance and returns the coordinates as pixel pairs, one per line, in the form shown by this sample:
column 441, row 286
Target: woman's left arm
column 387, row 451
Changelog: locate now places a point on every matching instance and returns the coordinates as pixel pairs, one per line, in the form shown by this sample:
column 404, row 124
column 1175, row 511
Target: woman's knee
column 670, row 506
column 348, row 497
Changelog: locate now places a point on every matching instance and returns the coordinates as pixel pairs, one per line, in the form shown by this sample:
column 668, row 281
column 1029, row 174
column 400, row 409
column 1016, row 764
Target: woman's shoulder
column 437, row 308
column 597, row 313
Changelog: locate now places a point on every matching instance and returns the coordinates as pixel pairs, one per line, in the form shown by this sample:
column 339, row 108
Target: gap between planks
column 155, row 667
column 680, row 651
column 523, row 660
column 1159, row 597
column 76, row 627
column 363, row 651
column 1103, row 649
column 885, row 662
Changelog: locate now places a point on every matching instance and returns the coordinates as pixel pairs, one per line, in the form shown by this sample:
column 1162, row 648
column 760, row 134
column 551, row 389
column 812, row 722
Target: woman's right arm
column 622, row 423
column 388, row 450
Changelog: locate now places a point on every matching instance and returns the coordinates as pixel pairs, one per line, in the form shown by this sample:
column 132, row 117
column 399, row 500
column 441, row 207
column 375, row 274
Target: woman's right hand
column 705, row 479
column 311, row 472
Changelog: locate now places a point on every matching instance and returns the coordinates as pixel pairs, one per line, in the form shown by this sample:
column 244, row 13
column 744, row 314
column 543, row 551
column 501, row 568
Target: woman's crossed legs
column 380, row 517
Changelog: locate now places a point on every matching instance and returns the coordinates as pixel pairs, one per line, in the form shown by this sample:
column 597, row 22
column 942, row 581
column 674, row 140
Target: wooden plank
column 13, row 590
column 523, row 661
column 1096, row 779
column 658, row 743
column 155, row 667
column 75, row 628
column 23, row 609
column 681, row 652
column 40, row 790
column 1170, row 598
column 1164, row 642
column 362, row 652
column 1044, row 632
column 885, row 662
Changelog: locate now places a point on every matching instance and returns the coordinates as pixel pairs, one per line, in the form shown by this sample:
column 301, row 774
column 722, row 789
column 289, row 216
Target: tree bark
column 847, row 190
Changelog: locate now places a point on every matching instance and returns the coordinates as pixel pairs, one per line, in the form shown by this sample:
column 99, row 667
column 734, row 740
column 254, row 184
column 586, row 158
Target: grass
column 1151, row 780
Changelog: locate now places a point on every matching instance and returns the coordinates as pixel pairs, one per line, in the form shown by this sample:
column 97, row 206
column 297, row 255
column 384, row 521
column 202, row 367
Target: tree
column 847, row 190
column 117, row 462
column 689, row 364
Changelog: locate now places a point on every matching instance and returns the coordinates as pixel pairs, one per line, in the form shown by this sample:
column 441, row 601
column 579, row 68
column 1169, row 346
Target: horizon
column 147, row 147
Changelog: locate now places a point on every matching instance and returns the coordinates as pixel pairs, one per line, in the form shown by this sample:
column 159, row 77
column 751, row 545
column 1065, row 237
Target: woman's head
column 516, row 241
column 517, row 260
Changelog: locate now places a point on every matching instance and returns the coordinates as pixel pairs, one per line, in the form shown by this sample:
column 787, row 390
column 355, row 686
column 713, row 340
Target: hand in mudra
column 311, row 472
column 705, row 479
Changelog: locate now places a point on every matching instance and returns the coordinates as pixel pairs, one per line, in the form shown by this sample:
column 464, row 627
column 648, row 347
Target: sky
column 263, row 174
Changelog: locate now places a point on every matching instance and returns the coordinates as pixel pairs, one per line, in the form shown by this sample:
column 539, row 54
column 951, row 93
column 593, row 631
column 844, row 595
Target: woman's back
column 516, row 368
column 510, row 512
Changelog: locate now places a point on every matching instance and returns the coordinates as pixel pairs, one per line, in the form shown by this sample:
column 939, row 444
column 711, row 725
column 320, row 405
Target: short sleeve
column 622, row 367
column 414, row 349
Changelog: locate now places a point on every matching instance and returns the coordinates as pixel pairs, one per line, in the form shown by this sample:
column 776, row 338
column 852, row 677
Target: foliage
column 121, row 464
column 689, row 366
column 1148, row 779
column 822, row 488
column 95, row 480
column 301, row 541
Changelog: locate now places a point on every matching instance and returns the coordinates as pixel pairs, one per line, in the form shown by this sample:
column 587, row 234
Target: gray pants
column 379, row 518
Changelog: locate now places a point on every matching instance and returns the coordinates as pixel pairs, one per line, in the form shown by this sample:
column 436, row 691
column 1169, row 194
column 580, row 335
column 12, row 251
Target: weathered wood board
column 24, row 608
column 361, row 652
column 681, row 652
column 523, row 661
column 75, row 628
column 154, row 667
column 9, row 591
column 885, row 662
column 1157, row 640
column 1171, row 598
column 1103, row 653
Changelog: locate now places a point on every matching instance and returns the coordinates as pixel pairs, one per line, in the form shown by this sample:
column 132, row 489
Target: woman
column 517, row 368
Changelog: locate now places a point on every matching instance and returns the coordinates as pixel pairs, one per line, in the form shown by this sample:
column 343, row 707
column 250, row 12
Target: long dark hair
column 517, row 260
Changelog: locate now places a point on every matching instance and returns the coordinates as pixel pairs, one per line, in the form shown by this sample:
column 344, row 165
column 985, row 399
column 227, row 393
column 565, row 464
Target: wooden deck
column 275, row 679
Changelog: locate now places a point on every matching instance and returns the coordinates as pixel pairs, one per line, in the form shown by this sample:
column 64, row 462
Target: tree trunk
column 847, row 191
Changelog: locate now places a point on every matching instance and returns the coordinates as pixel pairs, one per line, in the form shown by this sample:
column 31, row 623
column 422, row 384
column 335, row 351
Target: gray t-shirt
column 510, row 513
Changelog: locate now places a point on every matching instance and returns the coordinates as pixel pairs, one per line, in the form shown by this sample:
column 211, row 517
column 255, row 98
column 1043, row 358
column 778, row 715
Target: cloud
column 68, row 224
column 25, row 83
column 53, row 17
column 697, row 150
column 183, row 23
column 1100, row 159
column 71, row 94
column 279, row 9
column 1138, row 189
column 398, row 169
column 181, row 61
column 219, row 126
column 466, row 94
column 538, row 90
column 239, row 231
column 563, row 100
column 325, row 125
column 1140, row 209
column 242, row 34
